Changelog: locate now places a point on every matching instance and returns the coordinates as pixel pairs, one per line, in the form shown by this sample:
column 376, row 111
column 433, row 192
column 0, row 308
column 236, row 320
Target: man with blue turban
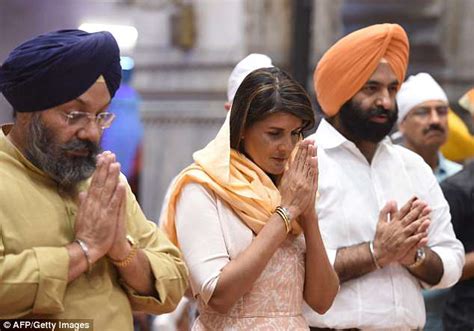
column 74, row 242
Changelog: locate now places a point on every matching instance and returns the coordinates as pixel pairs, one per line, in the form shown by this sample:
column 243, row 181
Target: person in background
column 241, row 70
column 74, row 242
column 423, row 122
column 384, row 220
column 459, row 191
column 239, row 211
column 124, row 138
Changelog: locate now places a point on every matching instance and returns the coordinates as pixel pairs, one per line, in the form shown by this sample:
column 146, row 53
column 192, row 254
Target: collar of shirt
column 334, row 139
column 445, row 168
column 14, row 152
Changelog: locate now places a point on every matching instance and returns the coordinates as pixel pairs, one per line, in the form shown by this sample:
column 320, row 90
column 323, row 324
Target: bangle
column 125, row 262
column 85, row 250
column 371, row 249
column 285, row 216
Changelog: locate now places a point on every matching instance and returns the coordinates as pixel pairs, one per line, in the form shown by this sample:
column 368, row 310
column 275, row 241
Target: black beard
column 358, row 124
column 49, row 156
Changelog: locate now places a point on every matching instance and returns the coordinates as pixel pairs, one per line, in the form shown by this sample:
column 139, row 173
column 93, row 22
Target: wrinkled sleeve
column 442, row 239
column 201, row 239
column 331, row 255
column 168, row 268
column 33, row 281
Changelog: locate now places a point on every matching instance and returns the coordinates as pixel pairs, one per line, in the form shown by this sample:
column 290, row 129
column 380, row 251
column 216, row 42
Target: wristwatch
column 419, row 258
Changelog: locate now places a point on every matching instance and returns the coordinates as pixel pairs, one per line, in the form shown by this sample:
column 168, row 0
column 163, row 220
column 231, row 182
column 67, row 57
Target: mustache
column 378, row 111
column 434, row 127
column 78, row 144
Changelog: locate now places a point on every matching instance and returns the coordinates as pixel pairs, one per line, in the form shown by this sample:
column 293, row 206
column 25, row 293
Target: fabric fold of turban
column 349, row 63
column 57, row 67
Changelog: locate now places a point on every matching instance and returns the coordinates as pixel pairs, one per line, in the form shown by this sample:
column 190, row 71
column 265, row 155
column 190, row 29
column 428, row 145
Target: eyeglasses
column 425, row 112
column 79, row 118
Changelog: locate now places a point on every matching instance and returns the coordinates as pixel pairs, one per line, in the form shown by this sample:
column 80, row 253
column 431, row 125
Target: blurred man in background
column 423, row 121
column 459, row 307
column 124, row 138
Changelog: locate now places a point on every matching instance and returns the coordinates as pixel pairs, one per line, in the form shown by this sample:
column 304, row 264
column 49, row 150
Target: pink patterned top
column 275, row 301
column 210, row 235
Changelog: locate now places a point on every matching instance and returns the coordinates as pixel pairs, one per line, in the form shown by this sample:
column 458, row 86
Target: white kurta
column 352, row 192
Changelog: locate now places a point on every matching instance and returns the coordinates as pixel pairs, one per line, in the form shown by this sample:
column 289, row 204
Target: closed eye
column 273, row 133
column 370, row 88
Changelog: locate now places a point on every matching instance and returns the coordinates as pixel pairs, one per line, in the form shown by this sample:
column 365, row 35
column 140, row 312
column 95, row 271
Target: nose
column 287, row 144
column 384, row 99
column 92, row 132
column 434, row 116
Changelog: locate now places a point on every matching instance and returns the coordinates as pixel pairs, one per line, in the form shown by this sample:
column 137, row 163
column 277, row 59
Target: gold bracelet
column 125, row 262
column 285, row 221
column 285, row 215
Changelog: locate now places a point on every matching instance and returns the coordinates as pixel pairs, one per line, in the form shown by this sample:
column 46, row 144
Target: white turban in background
column 418, row 89
column 250, row 63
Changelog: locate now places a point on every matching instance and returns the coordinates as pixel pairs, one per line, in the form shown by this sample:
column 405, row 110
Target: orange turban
column 349, row 63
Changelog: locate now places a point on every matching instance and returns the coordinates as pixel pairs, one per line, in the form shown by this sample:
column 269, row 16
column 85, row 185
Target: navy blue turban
column 57, row 67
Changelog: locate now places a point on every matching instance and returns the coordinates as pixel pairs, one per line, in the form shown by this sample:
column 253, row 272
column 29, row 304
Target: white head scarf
column 418, row 89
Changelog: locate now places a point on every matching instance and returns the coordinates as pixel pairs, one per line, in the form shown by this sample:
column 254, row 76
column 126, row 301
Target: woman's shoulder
column 195, row 189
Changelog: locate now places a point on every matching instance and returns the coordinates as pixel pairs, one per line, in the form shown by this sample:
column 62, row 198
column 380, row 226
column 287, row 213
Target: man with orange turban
column 384, row 220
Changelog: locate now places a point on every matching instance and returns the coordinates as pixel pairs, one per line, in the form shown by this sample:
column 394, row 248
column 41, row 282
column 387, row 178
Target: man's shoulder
column 11, row 170
column 464, row 179
column 408, row 157
column 413, row 163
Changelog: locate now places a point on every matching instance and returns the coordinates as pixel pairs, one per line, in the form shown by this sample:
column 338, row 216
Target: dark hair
column 263, row 92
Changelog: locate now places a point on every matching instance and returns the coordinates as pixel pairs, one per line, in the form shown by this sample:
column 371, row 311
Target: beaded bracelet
column 125, row 262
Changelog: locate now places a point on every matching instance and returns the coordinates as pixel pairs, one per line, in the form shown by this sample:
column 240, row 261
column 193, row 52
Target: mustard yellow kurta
column 36, row 223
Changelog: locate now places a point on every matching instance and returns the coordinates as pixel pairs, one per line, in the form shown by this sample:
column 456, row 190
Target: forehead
column 94, row 99
column 280, row 119
column 97, row 95
column 431, row 104
column 383, row 74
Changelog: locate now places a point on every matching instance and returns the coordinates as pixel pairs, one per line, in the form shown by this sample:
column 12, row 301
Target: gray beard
column 45, row 153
